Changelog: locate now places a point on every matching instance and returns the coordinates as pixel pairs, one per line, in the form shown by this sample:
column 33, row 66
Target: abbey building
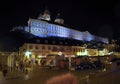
column 43, row 27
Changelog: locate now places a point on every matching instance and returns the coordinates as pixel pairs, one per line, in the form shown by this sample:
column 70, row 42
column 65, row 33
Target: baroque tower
column 45, row 16
column 59, row 19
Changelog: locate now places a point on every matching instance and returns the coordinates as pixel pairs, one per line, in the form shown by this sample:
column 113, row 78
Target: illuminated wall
column 44, row 29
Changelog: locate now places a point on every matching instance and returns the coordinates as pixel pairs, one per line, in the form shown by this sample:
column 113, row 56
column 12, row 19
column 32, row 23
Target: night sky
column 99, row 17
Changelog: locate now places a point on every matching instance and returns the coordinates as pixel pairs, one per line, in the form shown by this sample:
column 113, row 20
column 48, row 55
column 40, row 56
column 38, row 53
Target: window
column 37, row 41
column 36, row 47
column 30, row 47
column 54, row 49
column 53, row 42
column 73, row 49
column 66, row 43
column 49, row 48
column 61, row 49
column 43, row 47
column 61, row 43
column 46, row 41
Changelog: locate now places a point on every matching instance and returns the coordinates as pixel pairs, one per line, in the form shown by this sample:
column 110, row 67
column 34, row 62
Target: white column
column 69, row 62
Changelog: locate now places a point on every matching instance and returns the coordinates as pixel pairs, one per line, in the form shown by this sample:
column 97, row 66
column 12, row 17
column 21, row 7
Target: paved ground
column 40, row 75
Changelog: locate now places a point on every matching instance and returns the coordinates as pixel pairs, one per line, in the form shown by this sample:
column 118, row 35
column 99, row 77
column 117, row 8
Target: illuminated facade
column 36, row 52
column 41, row 50
column 43, row 27
column 33, row 51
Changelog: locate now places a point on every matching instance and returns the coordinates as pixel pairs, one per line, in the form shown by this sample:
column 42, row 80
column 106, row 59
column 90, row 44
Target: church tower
column 59, row 19
column 45, row 15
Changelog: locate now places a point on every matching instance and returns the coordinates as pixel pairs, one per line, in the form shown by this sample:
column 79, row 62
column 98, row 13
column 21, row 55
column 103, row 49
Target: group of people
column 24, row 66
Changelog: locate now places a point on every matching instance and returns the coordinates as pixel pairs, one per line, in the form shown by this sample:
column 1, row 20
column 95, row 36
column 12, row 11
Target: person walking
column 4, row 70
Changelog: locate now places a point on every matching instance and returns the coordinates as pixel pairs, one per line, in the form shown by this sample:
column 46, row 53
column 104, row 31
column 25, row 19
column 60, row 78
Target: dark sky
column 99, row 17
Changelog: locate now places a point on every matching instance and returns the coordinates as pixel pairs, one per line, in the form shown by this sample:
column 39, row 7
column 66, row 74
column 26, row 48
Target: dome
column 59, row 19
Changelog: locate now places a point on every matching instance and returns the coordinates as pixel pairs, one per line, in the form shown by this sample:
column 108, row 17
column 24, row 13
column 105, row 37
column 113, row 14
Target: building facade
column 35, row 52
column 43, row 27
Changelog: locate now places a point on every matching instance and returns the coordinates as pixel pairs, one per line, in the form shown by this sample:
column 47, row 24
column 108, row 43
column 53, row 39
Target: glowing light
column 110, row 53
column 82, row 53
column 59, row 53
column 41, row 57
column 27, row 53
column 69, row 55
column 78, row 53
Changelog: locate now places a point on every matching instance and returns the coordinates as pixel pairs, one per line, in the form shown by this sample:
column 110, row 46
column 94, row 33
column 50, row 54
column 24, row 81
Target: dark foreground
column 40, row 75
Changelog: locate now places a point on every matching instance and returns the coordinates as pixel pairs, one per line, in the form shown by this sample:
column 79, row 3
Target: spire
column 46, row 10
column 45, row 15
column 46, row 7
